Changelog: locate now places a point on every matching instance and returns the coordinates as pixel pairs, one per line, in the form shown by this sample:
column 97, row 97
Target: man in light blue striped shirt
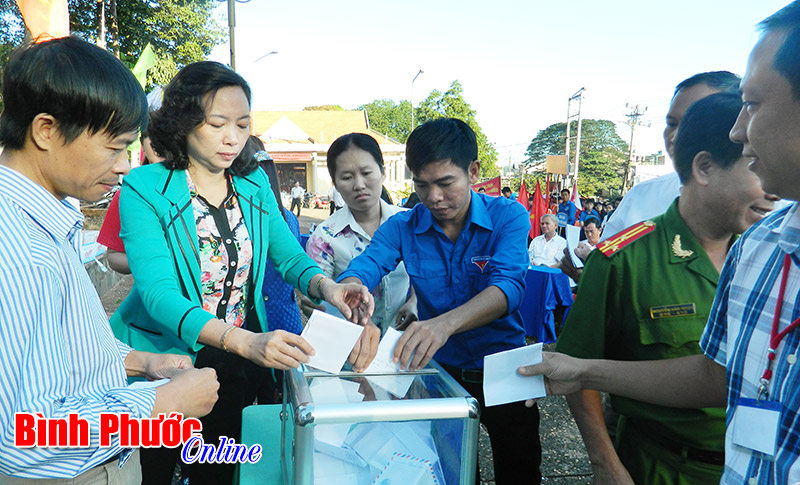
column 71, row 110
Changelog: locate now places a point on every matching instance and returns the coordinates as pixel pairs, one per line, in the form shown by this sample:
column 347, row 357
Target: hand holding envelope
column 502, row 383
column 332, row 338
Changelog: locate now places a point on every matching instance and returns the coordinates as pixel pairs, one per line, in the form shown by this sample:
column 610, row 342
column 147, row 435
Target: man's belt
column 691, row 453
column 474, row 376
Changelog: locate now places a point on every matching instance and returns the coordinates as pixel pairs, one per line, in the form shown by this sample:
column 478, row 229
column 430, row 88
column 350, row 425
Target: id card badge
column 755, row 425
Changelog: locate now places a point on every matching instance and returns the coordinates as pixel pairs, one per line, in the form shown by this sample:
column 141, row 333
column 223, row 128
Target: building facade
column 298, row 141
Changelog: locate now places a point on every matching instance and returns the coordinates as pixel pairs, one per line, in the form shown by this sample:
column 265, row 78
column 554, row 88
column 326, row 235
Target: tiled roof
column 311, row 126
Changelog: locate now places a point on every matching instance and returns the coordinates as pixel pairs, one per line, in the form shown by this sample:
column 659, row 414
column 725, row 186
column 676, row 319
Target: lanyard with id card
column 755, row 424
column 755, row 421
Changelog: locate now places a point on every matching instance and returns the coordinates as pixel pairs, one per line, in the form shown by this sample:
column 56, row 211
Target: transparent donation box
column 401, row 429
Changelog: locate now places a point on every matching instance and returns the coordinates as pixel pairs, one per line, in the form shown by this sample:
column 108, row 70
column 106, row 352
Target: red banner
column 537, row 211
column 291, row 156
column 491, row 186
column 523, row 196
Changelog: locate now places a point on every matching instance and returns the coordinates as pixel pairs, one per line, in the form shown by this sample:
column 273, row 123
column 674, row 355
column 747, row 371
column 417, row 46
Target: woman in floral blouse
column 355, row 163
column 199, row 229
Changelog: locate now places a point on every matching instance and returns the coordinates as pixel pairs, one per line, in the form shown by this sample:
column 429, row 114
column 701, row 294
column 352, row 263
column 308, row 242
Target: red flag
column 523, row 196
column 548, row 188
column 491, row 186
column 576, row 198
column 537, row 211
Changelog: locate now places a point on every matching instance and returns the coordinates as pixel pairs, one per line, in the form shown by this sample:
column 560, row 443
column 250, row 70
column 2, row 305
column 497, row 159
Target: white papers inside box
column 407, row 470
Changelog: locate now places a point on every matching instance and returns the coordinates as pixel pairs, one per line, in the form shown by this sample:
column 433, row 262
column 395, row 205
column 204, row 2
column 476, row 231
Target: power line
column 633, row 121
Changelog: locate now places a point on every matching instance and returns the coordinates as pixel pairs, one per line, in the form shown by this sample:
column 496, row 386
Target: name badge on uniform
column 755, row 425
column 669, row 311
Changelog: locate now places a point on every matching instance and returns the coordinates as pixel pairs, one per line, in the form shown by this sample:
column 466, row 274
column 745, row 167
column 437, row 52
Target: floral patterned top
column 338, row 240
column 226, row 254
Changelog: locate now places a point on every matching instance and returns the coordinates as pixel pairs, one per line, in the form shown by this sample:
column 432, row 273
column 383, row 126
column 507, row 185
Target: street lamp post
column 412, row 98
column 265, row 55
column 232, row 28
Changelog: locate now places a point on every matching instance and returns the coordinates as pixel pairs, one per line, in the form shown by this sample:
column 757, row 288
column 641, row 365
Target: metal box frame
column 301, row 414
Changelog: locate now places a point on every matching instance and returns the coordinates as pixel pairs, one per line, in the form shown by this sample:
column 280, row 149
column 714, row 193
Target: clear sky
column 518, row 60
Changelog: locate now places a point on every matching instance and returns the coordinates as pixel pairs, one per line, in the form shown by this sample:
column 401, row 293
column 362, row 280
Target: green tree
column 181, row 31
column 324, row 107
column 603, row 153
column 389, row 118
column 451, row 104
column 12, row 32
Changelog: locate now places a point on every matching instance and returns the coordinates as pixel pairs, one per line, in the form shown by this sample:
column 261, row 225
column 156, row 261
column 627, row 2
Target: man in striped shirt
column 752, row 339
column 71, row 110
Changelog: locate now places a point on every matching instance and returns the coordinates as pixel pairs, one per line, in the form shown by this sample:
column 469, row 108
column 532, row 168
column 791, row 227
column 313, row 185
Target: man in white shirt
column 653, row 198
column 297, row 197
column 547, row 249
column 592, row 229
column 337, row 202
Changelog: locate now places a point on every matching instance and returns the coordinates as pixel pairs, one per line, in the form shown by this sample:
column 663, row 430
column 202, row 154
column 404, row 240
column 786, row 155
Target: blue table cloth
column 545, row 289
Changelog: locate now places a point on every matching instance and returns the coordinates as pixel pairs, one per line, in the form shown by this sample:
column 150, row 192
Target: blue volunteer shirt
column 585, row 214
column 568, row 210
column 490, row 251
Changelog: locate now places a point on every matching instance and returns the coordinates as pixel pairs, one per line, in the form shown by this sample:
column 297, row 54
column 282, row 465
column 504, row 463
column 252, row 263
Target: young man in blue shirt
column 588, row 211
column 466, row 256
column 566, row 210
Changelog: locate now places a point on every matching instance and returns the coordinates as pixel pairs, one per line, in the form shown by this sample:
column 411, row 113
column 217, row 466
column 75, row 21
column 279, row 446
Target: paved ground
column 564, row 459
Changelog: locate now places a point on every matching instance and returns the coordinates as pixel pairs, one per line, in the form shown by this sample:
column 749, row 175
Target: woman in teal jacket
column 198, row 230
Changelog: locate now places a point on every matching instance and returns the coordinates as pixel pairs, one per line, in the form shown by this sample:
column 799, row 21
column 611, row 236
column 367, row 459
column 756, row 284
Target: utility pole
column 579, row 97
column 232, row 31
column 232, row 28
column 412, row 98
column 633, row 122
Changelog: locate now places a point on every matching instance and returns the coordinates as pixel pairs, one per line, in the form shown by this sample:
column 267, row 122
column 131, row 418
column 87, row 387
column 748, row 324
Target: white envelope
column 396, row 383
column 335, row 470
column 376, row 442
column 502, row 383
column 405, row 469
column 148, row 384
column 332, row 339
column 333, row 390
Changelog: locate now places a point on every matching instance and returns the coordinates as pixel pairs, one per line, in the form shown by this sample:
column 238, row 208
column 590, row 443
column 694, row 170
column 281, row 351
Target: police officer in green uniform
column 645, row 294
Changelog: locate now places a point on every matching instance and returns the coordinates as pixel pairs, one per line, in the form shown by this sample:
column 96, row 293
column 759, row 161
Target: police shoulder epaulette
column 618, row 241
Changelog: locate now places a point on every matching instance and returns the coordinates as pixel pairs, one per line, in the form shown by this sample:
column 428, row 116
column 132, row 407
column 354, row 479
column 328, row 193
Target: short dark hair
column 787, row 58
column 705, row 127
column 722, row 81
column 353, row 140
column 183, row 109
column 565, row 190
column 441, row 139
column 506, row 189
column 82, row 86
column 588, row 200
column 592, row 220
